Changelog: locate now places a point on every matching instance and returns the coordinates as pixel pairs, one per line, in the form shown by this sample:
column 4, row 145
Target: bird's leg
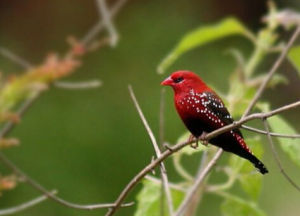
column 193, row 145
column 202, row 138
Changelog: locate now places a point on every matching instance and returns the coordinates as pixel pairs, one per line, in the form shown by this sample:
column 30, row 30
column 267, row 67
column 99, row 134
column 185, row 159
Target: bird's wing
column 216, row 106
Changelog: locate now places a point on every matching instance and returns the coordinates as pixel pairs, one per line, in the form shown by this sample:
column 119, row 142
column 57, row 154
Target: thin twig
column 158, row 181
column 78, row 85
column 276, row 157
column 157, row 151
column 92, row 33
column 41, row 189
column 161, row 142
column 14, row 58
column 179, row 146
column 26, row 205
column 272, row 71
column 194, row 200
column 23, row 108
column 102, row 7
column 162, row 117
column 292, row 136
column 198, row 181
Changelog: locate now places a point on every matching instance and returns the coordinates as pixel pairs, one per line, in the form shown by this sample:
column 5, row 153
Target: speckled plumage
column 201, row 110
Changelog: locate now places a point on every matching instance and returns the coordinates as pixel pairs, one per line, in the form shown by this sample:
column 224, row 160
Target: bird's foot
column 203, row 139
column 193, row 145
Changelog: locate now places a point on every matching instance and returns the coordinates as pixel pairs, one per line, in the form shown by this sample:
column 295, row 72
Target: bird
column 203, row 111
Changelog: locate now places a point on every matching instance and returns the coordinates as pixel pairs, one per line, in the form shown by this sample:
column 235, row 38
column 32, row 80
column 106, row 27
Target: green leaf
column 236, row 206
column 148, row 199
column 290, row 146
column 250, row 181
column 201, row 36
column 294, row 57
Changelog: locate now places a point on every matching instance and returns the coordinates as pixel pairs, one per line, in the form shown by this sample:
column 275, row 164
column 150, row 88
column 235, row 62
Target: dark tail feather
column 258, row 164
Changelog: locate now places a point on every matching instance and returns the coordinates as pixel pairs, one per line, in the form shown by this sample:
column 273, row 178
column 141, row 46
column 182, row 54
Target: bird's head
column 184, row 81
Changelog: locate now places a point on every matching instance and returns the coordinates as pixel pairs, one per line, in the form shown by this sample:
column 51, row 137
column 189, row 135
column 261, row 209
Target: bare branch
column 102, row 7
column 191, row 208
column 14, row 58
column 197, row 183
column 272, row 71
column 179, row 146
column 31, row 203
column 158, row 181
column 161, row 141
column 161, row 117
column 276, row 157
column 100, row 25
column 293, row 136
column 78, row 85
column 157, row 151
column 24, row 107
column 41, row 189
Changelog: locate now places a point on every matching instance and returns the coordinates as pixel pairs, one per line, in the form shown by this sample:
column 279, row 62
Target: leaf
column 202, row 36
column 250, row 182
column 290, row 146
column 236, row 206
column 148, row 199
column 294, row 57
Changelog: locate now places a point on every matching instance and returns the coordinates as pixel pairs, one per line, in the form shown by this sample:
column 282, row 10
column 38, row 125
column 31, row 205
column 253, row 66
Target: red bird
column 202, row 111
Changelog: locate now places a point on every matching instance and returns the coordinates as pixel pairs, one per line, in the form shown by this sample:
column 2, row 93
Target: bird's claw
column 195, row 144
column 203, row 139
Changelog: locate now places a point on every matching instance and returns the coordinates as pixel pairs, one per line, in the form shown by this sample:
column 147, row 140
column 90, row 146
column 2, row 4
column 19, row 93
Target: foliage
column 149, row 198
column 243, row 85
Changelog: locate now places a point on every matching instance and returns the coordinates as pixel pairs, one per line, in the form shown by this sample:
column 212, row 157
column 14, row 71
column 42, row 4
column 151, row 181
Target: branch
column 24, row 107
column 276, row 157
column 157, row 151
column 272, row 71
column 179, row 146
column 50, row 195
column 172, row 185
column 14, row 58
column 161, row 117
column 102, row 7
column 293, row 136
column 100, row 25
column 16, row 209
column 194, row 200
column 78, row 85
column 197, row 183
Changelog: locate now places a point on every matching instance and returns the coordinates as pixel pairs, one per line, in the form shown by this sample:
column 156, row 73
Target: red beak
column 167, row 82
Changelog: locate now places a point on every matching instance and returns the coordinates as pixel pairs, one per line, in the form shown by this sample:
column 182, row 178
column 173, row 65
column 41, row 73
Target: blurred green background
column 88, row 144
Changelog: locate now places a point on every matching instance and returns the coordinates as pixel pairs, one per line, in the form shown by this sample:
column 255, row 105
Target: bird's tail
column 257, row 163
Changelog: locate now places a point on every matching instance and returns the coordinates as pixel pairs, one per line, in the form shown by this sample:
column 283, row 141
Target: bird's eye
column 178, row 79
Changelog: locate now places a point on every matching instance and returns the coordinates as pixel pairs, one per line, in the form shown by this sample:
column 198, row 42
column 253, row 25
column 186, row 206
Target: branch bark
column 272, row 71
column 26, row 205
column 291, row 136
column 179, row 146
column 157, row 151
column 276, row 157
column 50, row 195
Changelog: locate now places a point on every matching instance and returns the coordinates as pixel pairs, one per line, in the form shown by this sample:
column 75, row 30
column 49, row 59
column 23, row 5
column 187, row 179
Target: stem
column 180, row 170
column 254, row 61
